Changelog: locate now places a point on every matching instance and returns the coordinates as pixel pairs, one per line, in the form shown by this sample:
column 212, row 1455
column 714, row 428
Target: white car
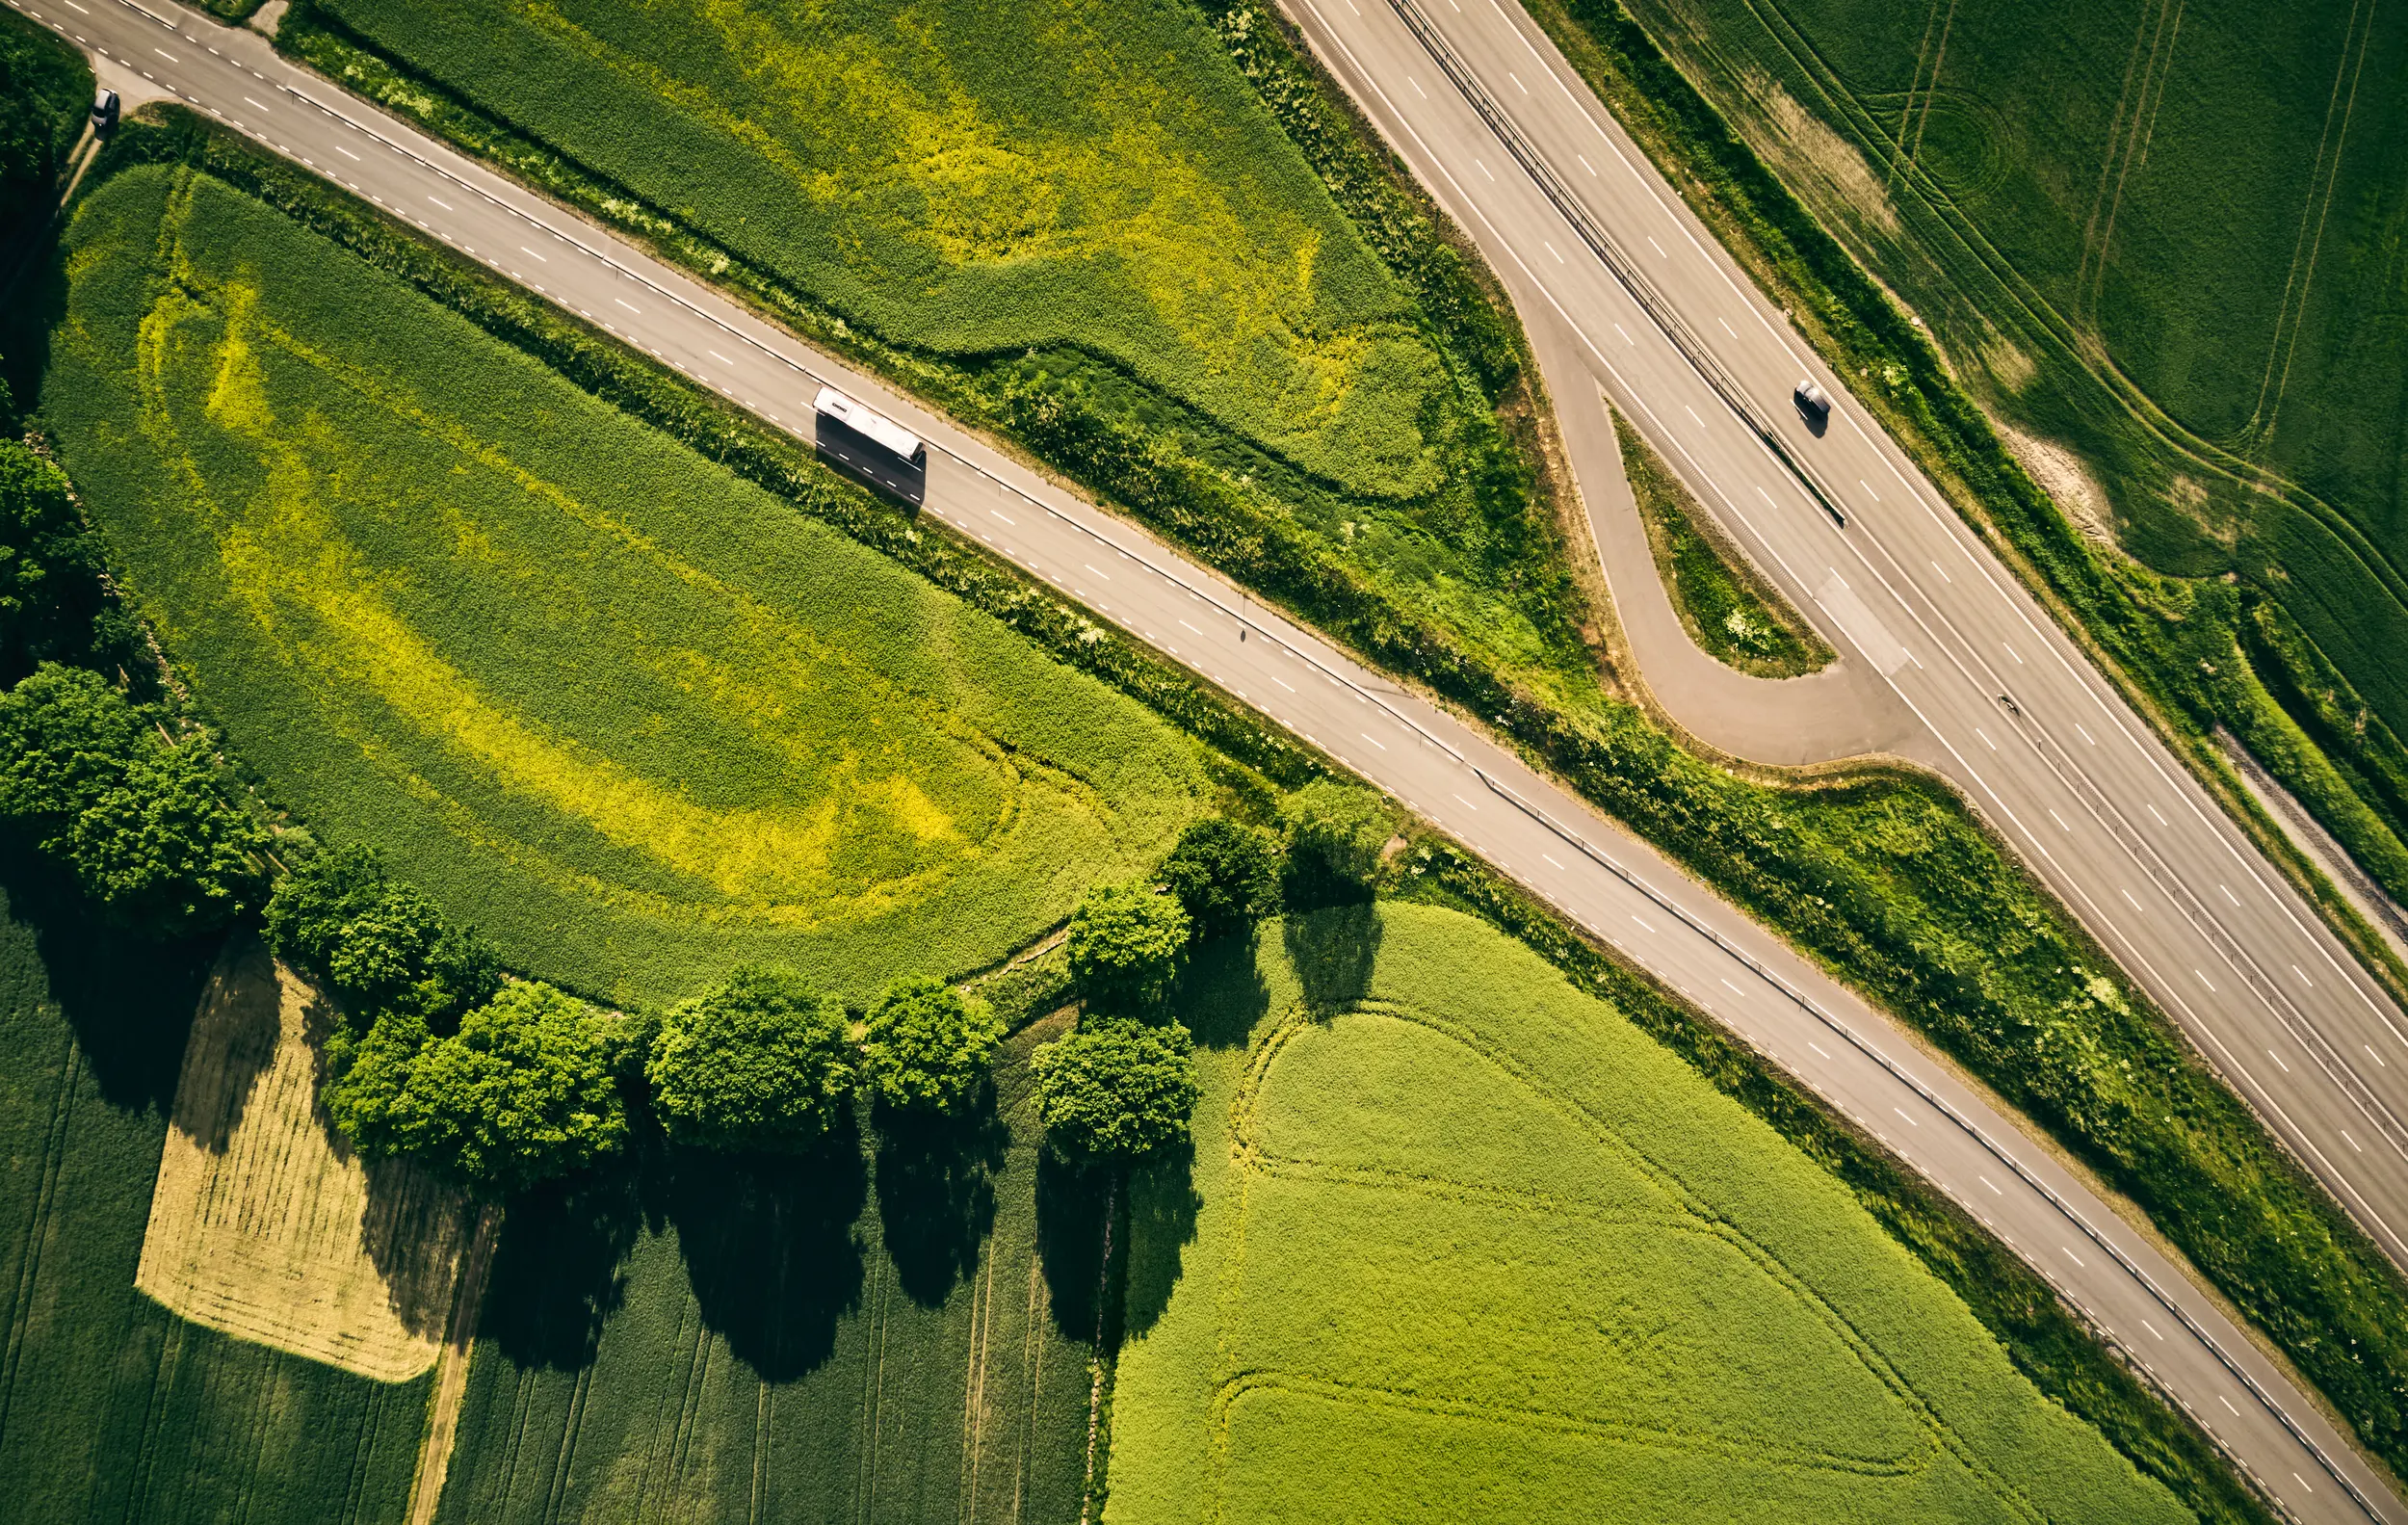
column 1812, row 401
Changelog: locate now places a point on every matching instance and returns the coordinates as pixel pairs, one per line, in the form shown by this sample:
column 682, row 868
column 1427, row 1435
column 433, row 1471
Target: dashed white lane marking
column 345, row 152
column 629, row 305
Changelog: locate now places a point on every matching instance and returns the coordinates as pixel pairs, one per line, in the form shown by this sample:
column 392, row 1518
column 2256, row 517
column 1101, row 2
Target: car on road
column 104, row 110
column 1813, row 403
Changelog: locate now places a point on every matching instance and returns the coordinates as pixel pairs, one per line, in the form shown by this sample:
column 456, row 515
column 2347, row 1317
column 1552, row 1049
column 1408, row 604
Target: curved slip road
column 1597, row 874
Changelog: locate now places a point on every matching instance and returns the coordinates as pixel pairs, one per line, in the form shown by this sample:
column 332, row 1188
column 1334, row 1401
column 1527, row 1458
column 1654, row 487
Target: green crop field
column 1459, row 1243
column 887, row 1329
column 2161, row 235
column 916, row 167
column 635, row 717
column 110, row 1409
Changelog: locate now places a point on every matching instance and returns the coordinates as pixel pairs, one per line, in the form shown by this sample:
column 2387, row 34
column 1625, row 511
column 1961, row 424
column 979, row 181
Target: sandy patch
column 263, row 1223
column 2061, row 472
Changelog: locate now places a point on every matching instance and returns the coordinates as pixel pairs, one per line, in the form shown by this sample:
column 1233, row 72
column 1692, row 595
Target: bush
column 521, row 1095
column 762, row 1062
column 1226, row 874
column 1336, row 831
column 1116, row 1089
column 379, row 946
column 137, row 820
column 1127, row 945
column 929, row 1047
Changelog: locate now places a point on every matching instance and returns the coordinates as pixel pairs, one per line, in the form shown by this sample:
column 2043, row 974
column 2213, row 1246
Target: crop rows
column 110, row 1409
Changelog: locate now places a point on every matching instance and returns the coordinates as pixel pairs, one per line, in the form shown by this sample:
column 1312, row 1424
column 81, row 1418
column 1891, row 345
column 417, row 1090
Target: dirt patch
column 1810, row 151
column 264, row 1225
column 2066, row 479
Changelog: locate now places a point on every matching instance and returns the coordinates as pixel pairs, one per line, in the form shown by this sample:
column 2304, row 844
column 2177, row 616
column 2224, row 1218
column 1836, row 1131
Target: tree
column 1126, row 944
column 370, row 1073
column 379, row 945
column 1116, row 1089
column 136, row 818
column 929, row 1047
column 50, row 566
column 762, row 1062
column 1225, row 875
column 1336, row 832
column 521, row 1095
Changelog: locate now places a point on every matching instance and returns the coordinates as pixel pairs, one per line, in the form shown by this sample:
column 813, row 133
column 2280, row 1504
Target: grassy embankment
column 619, row 707
column 1724, row 604
column 2161, row 254
column 1889, row 882
column 112, row 1409
column 892, row 1328
column 1457, row 1241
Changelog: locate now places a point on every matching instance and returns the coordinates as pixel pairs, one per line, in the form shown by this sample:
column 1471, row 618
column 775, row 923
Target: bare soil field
column 263, row 1224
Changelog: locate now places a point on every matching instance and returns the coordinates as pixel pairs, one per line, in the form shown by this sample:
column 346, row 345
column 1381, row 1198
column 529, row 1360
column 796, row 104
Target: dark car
column 1814, row 402
column 104, row 111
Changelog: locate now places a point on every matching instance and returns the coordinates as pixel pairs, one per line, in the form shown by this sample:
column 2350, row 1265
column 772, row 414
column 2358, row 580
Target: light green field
column 1467, row 1246
column 635, row 717
column 112, row 1410
column 981, row 178
column 873, row 1333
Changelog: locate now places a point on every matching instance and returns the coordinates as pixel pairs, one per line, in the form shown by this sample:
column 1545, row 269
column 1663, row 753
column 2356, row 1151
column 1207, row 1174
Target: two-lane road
column 1620, row 889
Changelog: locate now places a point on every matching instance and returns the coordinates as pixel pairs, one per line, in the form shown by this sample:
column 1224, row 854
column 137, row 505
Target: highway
column 1593, row 871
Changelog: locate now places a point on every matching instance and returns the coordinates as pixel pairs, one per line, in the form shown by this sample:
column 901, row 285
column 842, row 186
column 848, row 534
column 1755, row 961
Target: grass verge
column 1724, row 604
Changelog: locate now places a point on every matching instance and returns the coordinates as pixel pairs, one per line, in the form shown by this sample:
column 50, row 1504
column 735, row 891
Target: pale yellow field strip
column 263, row 1223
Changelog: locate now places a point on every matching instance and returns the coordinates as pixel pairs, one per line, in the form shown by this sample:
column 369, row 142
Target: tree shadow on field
column 1163, row 1204
column 559, row 1271
column 1333, row 952
column 772, row 1246
column 128, row 999
column 936, row 1192
column 1222, row 994
column 1073, row 1203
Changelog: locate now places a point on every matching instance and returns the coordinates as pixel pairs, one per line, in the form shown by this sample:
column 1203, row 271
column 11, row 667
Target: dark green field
column 110, row 1409
column 2163, row 233
column 886, row 1329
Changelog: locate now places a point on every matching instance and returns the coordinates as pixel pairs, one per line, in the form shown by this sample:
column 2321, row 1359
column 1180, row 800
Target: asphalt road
column 1593, row 871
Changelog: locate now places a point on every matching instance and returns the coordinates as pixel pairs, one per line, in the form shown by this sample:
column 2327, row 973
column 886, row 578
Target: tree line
column 500, row 1084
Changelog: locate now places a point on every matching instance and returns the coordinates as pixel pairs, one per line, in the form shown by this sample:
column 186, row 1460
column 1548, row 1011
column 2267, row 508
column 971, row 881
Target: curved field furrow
column 1455, row 1243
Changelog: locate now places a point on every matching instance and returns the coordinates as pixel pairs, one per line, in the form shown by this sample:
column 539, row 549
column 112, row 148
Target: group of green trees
column 499, row 1084
column 123, row 793
column 1120, row 1086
